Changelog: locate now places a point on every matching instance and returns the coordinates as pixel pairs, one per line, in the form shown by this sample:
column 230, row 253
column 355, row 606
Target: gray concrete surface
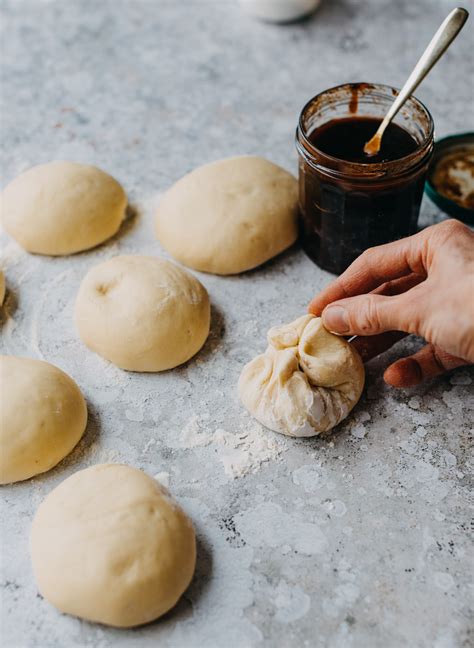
column 357, row 540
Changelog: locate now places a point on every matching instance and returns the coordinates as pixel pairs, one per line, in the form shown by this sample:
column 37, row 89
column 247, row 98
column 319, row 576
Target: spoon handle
column 447, row 32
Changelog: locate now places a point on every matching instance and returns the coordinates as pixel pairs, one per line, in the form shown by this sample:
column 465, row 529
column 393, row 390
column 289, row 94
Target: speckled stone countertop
column 356, row 540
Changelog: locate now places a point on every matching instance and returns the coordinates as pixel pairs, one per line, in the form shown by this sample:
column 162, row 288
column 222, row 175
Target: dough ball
column 229, row 216
column 62, row 208
column 2, row 287
column 142, row 313
column 42, row 416
column 306, row 382
column 110, row 545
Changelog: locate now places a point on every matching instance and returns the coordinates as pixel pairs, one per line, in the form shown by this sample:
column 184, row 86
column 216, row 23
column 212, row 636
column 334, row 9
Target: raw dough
column 2, row 287
column 110, row 545
column 229, row 216
column 142, row 313
column 306, row 382
column 42, row 416
column 62, row 207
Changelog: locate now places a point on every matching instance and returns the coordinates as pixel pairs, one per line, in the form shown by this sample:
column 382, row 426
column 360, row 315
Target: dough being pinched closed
column 306, row 382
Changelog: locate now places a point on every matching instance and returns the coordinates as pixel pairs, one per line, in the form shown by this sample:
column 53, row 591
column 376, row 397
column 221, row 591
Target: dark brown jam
column 345, row 138
column 348, row 200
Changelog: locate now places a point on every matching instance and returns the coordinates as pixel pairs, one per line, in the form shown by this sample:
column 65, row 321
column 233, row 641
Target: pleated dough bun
column 110, row 545
column 306, row 382
column 62, row 207
column 229, row 216
column 142, row 313
column 42, row 417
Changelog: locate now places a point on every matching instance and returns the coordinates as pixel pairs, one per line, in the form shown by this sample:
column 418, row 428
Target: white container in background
column 279, row 11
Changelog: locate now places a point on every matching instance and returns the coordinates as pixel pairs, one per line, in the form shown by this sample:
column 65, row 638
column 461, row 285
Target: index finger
column 372, row 268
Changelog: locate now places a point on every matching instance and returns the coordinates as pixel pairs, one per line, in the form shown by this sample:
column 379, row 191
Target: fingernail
column 336, row 319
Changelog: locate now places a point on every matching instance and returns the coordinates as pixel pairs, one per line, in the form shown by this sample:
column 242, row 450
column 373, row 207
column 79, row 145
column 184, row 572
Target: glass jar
column 347, row 206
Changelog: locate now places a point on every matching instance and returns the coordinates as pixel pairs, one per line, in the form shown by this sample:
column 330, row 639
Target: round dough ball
column 306, row 382
column 62, row 208
column 42, row 416
column 229, row 216
column 142, row 313
column 110, row 545
column 2, row 287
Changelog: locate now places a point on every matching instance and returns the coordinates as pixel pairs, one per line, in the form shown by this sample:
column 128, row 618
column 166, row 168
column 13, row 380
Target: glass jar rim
column 365, row 169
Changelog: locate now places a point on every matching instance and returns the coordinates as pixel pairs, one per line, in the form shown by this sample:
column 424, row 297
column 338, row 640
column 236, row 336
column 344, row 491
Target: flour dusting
column 241, row 452
column 244, row 452
column 163, row 478
column 192, row 435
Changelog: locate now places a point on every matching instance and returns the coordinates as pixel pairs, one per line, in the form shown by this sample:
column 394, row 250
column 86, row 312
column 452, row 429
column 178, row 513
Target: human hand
column 423, row 284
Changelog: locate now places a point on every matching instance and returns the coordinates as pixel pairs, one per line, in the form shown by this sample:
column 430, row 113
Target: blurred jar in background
column 280, row 11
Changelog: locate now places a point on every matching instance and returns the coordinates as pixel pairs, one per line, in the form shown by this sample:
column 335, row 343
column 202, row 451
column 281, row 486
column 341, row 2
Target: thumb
column 370, row 314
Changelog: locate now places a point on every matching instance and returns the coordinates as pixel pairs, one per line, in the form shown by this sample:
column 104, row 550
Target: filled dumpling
column 306, row 382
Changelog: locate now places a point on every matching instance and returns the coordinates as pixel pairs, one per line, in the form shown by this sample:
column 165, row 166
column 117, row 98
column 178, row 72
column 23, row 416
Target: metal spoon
column 449, row 29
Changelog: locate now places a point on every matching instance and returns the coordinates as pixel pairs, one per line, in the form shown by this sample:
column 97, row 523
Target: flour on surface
column 244, row 452
column 291, row 602
column 164, row 478
column 240, row 452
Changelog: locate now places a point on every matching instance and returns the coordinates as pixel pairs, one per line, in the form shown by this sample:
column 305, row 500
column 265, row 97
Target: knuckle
column 367, row 316
column 368, row 253
column 451, row 235
column 466, row 345
column 449, row 228
column 364, row 258
column 453, row 225
column 427, row 329
column 437, row 356
column 344, row 285
column 415, row 312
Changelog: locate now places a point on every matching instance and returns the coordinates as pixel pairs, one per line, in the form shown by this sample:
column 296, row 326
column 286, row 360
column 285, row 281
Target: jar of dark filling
column 349, row 201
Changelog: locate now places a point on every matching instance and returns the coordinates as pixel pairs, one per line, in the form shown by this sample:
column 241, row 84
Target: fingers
column 438, row 236
column 384, row 263
column 398, row 286
column 374, row 267
column 373, row 345
column 370, row 347
column 373, row 314
column 427, row 363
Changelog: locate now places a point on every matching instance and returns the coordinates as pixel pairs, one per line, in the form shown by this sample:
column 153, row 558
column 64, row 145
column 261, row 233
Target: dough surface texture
column 229, row 216
column 62, row 207
column 306, row 382
column 110, row 545
column 42, row 417
column 142, row 313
